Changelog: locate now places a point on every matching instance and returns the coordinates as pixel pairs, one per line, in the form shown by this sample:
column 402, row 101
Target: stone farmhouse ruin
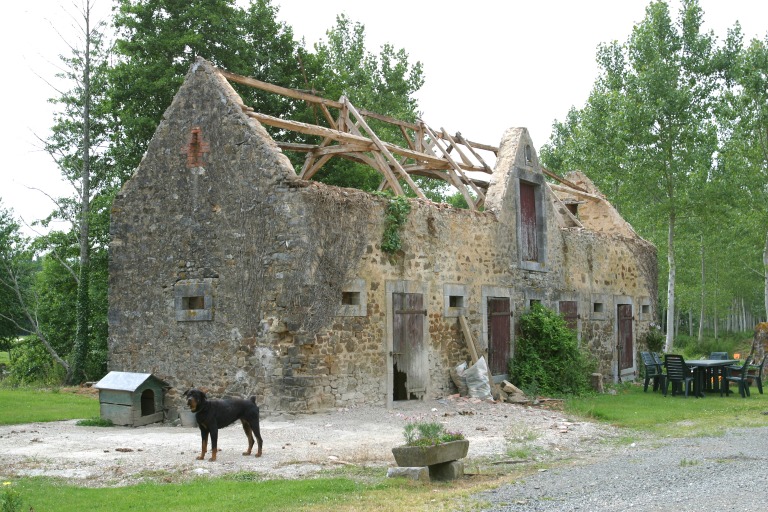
column 232, row 272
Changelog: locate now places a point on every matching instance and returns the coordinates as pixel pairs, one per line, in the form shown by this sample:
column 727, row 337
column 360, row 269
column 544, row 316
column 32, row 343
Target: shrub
column 547, row 359
column 32, row 365
column 654, row 339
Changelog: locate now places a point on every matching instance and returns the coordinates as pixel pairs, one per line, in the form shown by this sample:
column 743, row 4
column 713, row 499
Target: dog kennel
column 132, row 399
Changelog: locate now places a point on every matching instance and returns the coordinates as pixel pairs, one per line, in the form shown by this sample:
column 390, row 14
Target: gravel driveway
column 700, row 474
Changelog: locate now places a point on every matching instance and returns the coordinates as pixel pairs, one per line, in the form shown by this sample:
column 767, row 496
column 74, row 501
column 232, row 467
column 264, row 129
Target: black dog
column 212, row 415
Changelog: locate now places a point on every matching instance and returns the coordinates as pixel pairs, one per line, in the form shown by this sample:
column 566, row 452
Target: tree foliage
column 654, row 136
column 12, row 320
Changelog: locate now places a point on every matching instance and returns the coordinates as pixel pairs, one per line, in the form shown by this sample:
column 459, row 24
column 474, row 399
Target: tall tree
column 647, row 133
column 745, row 128
column 76, row 144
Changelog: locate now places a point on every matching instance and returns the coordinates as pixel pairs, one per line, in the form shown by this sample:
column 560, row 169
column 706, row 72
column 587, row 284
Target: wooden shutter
column 498, row 330
column 529, row 239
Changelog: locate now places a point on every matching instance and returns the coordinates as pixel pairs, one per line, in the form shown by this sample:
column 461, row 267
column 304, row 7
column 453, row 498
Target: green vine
column 396, row 214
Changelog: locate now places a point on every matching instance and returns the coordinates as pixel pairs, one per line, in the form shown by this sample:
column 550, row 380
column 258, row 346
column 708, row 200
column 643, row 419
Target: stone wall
column 229, row 273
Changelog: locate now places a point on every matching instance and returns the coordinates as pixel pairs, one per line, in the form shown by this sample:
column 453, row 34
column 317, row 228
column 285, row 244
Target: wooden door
column 569, row 311
column 626, row 354
column 409, row 356
column 498, row 335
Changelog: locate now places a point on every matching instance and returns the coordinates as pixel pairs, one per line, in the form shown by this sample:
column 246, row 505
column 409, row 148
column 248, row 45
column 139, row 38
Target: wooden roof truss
column 423, row 150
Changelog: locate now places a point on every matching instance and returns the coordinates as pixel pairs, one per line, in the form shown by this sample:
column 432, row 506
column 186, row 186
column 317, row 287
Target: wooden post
column 468, row 338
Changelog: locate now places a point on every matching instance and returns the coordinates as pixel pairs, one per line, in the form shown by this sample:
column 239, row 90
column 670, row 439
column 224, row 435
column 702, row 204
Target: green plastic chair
column 652, row 371
column 755, row 373
column 737, row 374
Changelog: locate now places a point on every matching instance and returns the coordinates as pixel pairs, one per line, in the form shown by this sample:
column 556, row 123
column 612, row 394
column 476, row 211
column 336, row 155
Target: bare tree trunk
column 715, row 320
column 703, row 296
column 690, row 323
column 81, row 347
column 670, row 284
column 765, row 274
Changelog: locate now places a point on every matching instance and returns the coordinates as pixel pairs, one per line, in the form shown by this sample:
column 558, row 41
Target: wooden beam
column 562, row 180
column 468, row 339
column 300, row 95
column 469, row 146
column 322, row 131
column 455, row 172
column 383, row 148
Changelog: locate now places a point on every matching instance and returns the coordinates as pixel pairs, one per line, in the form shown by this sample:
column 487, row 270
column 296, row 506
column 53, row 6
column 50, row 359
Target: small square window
column 456, row 301
column 354, row 298
column 645, row 309
column 533, row 302
column 193, row 300
column 350, row 298
column 598, row 307
column 197, row 302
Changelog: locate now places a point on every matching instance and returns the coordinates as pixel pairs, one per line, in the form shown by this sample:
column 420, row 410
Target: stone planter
column 415, row 456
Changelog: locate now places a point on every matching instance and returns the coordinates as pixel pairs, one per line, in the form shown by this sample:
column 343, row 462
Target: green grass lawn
column 676, row 416
column 4, row 358
column 31, row 405
column 199, row 495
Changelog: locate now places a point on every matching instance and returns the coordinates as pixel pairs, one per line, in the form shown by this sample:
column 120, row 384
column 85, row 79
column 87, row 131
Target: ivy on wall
column 396, row 214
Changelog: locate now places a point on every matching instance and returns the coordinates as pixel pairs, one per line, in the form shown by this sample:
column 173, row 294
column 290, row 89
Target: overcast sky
column 489, row 65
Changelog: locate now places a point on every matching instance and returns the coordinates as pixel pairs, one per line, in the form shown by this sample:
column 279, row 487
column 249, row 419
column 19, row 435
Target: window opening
column 197, row 302
column 530, row 240
column 350, row 298
column 456, row 301
column 598, row 307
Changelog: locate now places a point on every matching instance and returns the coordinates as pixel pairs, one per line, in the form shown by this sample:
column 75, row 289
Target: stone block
column 419, row 474
column 445, row 471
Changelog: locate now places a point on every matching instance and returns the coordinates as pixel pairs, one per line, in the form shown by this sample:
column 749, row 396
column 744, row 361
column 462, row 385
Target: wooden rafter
column 421, row 152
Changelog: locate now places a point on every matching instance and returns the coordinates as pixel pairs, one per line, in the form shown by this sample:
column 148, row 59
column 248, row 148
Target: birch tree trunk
column 765, row 274
column 670, row 284
column 703, row 296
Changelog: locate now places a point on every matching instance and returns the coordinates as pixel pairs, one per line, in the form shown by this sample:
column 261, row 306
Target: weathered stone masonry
column 228, row 272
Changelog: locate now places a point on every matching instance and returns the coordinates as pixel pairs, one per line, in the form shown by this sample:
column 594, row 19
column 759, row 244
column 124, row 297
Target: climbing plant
column 396, row 214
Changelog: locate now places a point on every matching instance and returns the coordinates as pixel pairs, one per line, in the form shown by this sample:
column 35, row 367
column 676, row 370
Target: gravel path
column 701, row 474
column 294, row 446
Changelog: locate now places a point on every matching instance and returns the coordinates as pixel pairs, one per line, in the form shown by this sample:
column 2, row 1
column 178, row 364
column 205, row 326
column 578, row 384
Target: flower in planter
column 424, row 433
